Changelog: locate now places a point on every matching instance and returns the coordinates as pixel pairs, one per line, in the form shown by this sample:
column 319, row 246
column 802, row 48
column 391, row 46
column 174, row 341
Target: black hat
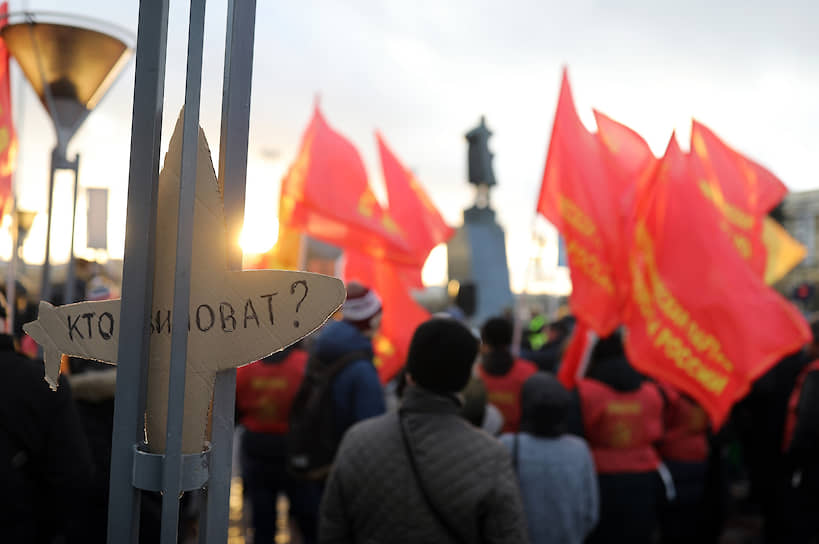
column 497, row 332
column 441, row 355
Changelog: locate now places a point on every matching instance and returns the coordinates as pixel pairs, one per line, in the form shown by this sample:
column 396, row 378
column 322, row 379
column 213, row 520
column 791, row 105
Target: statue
column 479, row 162
column 477, row 251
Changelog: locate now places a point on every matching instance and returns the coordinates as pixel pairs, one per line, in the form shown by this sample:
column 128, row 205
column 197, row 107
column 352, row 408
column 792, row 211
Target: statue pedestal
column 477, row 255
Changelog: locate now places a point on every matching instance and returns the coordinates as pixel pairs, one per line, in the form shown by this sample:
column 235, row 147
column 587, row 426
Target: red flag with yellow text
column 411, row 207
column 401, row 314
column 698, row 317
column 742, row 191
column 580, row 195
column 742, row 182
column 326, row 195
column 8, row 138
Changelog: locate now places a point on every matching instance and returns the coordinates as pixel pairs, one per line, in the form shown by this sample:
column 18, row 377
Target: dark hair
column 441, row 355
column 608, row 348
column 544, row 406
column 497, row 332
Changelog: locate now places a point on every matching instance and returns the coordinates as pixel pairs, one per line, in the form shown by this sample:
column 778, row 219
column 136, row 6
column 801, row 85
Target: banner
column 326, row 195
column 411, row 207
column 698, row 317
column 580, row 195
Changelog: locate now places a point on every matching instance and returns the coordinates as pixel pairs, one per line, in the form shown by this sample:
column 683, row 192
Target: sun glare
column 258, row 238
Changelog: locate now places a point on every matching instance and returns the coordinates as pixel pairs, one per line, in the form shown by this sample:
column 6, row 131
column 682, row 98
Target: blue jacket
column 357, row 391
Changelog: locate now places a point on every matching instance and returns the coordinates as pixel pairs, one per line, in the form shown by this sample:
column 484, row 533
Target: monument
column 477, row 251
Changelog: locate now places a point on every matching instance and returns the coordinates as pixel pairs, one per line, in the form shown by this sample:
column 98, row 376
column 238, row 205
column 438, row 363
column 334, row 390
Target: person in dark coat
column 799, row 478
column 555, row 469
column 761, row 417
column 45, row 463
column 424, row 474
column 356, row 389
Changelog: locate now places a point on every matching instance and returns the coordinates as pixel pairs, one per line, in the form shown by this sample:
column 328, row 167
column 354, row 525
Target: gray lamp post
column 70, row 67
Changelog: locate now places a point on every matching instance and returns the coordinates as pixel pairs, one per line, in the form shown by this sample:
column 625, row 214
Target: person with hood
column 621, row 418
column 423, row 473
column 501, row 372
column 342, row 383
column 555, row 469
column 356, row 389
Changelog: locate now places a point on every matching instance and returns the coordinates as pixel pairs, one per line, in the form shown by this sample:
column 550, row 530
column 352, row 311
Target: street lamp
column 70, row 67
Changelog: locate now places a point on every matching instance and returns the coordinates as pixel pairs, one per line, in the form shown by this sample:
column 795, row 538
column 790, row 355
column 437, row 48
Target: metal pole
column 69, row 278
column 172, row 468
column 45, row 290
column 138, row 270
column 241, row 24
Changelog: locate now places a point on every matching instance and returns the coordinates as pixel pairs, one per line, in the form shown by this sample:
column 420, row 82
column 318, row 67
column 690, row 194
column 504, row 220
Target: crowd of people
column 474, row 440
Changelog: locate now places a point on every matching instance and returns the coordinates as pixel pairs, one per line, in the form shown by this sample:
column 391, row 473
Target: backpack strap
column 442, row 520
column 331, row 370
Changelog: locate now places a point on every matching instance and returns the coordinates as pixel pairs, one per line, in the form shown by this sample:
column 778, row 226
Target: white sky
column 424, row 72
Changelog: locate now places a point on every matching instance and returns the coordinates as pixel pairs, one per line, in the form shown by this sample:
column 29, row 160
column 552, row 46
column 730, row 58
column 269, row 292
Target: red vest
column 793, row 404
column 686, row 426
column 265, row 392
column 504, row 391
column 621, row 428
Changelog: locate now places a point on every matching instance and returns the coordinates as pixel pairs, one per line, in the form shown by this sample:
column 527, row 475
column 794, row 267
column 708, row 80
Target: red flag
column 326, row 194
column 743, row 183
column 411, row 207
column 632, row 157
column 401, row 314
column 741, row 191
column 698, row 317
column 580, row 196
column 8, row 138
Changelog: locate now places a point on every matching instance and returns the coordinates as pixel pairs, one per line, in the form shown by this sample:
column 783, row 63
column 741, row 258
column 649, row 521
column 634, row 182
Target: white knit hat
column 362, row 305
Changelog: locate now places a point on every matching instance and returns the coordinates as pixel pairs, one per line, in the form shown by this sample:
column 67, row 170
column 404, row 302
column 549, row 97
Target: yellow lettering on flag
column 366, row 204
column 652, row 292
column 733, row 214
column 575, row 217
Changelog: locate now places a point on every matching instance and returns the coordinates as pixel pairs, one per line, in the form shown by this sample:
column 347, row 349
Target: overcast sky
column 424, row 72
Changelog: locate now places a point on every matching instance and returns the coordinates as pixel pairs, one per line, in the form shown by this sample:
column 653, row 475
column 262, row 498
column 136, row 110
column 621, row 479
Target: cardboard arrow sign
column 234, row 318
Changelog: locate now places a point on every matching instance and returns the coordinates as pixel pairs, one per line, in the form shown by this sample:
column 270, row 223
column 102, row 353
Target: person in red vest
column 621, row 418
column 684, row 451
column 501, row 372
column 264, row 393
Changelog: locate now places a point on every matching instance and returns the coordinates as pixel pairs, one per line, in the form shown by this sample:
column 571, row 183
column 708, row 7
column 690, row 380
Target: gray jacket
column 372, row 495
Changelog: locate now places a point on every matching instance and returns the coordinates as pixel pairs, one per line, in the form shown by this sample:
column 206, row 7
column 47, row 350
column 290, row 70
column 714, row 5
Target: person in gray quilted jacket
column 424, row 474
